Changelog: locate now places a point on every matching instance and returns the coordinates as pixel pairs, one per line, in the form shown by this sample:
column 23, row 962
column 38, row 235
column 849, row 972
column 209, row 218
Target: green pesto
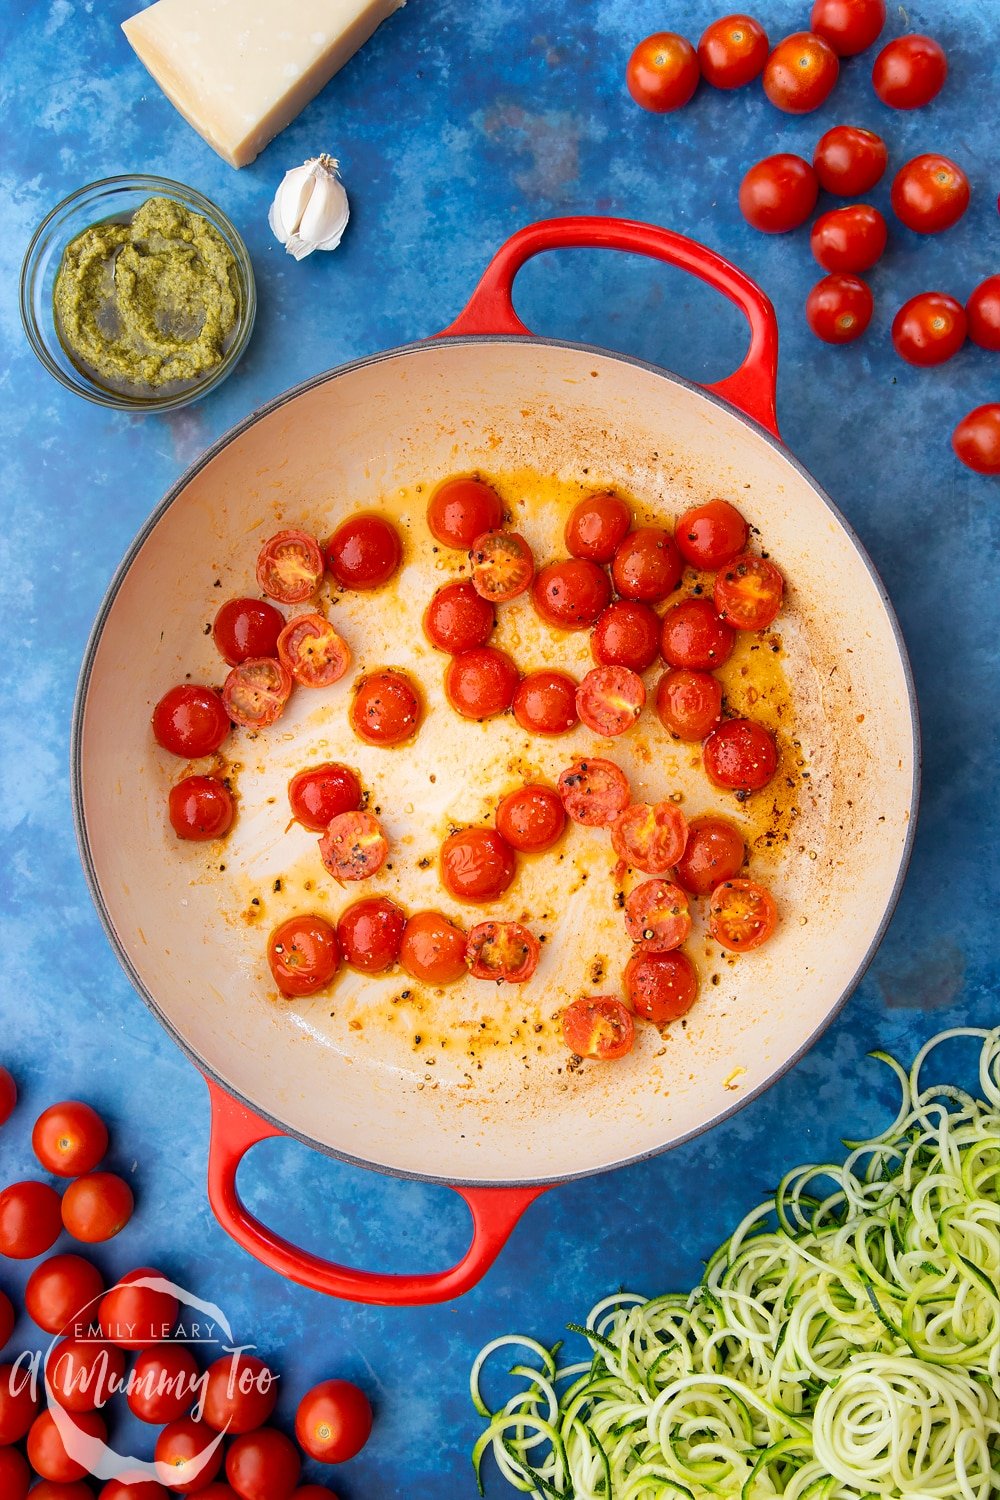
column 149, row 303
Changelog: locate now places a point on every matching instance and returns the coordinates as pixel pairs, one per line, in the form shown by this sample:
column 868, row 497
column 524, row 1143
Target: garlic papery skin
column 310, row 209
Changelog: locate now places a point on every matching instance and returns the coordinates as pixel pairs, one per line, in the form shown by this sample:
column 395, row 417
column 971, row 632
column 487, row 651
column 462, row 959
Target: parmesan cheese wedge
column 239, row 71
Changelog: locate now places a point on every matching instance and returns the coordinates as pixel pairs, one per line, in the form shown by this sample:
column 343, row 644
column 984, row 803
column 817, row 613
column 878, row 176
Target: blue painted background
column 455, row 125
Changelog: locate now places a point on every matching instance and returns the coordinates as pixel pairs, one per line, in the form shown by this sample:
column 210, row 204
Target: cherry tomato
column 15, row 1475
column 458, row 619
column 650, row 837
column 97, row 1207
column 839, row 308
column 62, row 1294
column 245, row 628
column 596, row 525
column 386, row 708
column 909, row 71
column 976, row 439
column 609, row 700
column 502, row 565
column 647, row 565
column 433, row 949
column 692, row 635
column 626, row 635
column 8, row 1319
column 370, row 933
column 354, row 846
column 712, row 534
column 308, row 1492
column 571, row 594
column 715, row 851
column 594, row 792
column 481, row 684
column 69, row 1138
column 190, row 1454
column 312, row 651
column 263, row 1465
column 46, row 1451
column 849, row 239
column 462, row 509
column 657, row 916
column 850, row 160
column 80, row 1490
column 477, row 864
column 190, row 721
column 929, row 329
column 531, row 819
column 850, row 26
column 18, row 1403
column 255, row 692
column 321, row 793
column 134, row 1313
column 800, row 73
column 732, row 51
column 303, row 955
column 30, row 1221
column 142, row 1489
column 749, row 592
column 364, row 552
column 778, row 193
column 290, row 567
column 502, row 951
column 660, row 987
column 741, row 915
column 689, row 702
column 662, row 72
column 241, row 1392
column 82, row 1374
column 333, row 1421
column 222, row 1491
column 8, row 1095
column 598, row 1026
column 982, row 312
column 200, row 808
column 164, row 1384
column 545, row 703
column 740, row 755
column 930, row 193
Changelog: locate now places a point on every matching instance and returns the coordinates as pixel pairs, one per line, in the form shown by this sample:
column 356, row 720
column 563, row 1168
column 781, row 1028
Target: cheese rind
column 239, row 71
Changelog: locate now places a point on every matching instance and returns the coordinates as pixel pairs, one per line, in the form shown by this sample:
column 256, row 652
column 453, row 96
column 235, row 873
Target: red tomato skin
column 481, row 684
column 732, row 51
column 18, row 1403
column 650, row 838
column 594, row 792
column 778, row 193
column 712, row 534
column 144, row 1489
column 982, row 313
column 313, row 652
column 255, row 692
column 545, row 703
column 688, row 703
column 69, row 1138
column 461, row 509
column 164, row 1384
column 647, row 565
column 354, row 847
column 849, row 239
column 333, row 1421
column 929, row 329
column 976, row 439
column 531, row 819
column 663, row 72
column 200, row 808
column 263, row 1465
column 715, row 851
column 96, row 1207
column 364, row 552
column 740, row 755
column 626, row 635
column 15, row 1475
column 759, row 901
column 692, row 635
column 596, row 525
column 503, row 952
column 185, row 1440
column 477, row 864
column 930, row 193
column 290, row 567
column 800, row 73
column 321, row 793
column 46, row 1453
column 30, row 1221
column 660, row 987
column 134, row 1316
column 8, row 1095
column 370, row 933
column 303, row 955
column 849, row 160
column 839, row 308
column 240, row 1393
column 8, row 1319
column 850, row 26
column 609, row 700
column 433, row 949
column 571, row 594
column 458, row 619
column 598, row 1026
column 245, row 628
column 63, row 1293
column 386, row 709
column 502, row 565
column 657, row 918
column 190, row 721
column 83, row 1374
column 749, row 593
column 910, row 71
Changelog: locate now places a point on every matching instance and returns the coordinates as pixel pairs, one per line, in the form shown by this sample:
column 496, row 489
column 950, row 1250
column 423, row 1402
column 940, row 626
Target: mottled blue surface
column 456, row 124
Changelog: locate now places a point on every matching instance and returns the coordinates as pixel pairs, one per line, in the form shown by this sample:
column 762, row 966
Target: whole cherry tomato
column 689, row 702
column 8, row 1095
column 386, row 708
column 626, row 635
column 930, row 193
column 241, row 1392
column 740, row 755
column 976, row 439
column 97, row 1207
column 263, row 1465
column 849, row 239
column 800, row 73
column 139, row 1310
column 191, row 1454
column 850, row 160
column 477, row 864
column 433, row 949
column 30, row 1221
column 15, row 1476
column 661, row 987
column 8, row 1317
column 190, row 721
column 571, row 594
column 46, row 1451
column 839, row 308
column 364, row 551
column 929, row 329
column 647, row 565
column 480, row 684
column 83, row 1374
column 598, row 1026
column 370, row 933
column 247, row 628
column 662, row 72
column 69, row 1138
column 502, row 565
column 741, row 915
column 778, row 193
column 164, row 1384
column 141, row 1489
column 63, row 1293
column 333, row 1421
column 531, row 819
column 200, row 808
column 712, row 534
column 458, row 618
column 596, row 525
column 848, row 25
column 909, row 71
column 18, row 1403
column 461, row 509
column 303, row 955
column 692, row 635
column 322, row 793
column 545, row 703
column 983, row 314
column 714, row 852
column 732, row 51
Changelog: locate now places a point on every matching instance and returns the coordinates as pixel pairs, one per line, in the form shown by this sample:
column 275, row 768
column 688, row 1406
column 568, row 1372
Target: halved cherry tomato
column 477, row 864
column 661, row 987
column 626, row 635
column 433, row 949
column 849, row 239
column 386, row 708
column 240, row 1393
column 8, row 1092
column 800, row 73
column 848, row 25
column 531, row 819
column 976, row 439
column 139, row 1310
column 63, row 1293
column 930, row 193
column 692, row 635
column 983, row 314
column 689, row 702
column 462, row 509
column 732, row 51
column 599, row 1026
column 190, row 720
column 83, row 1374
column 749, row 593
column 545, row 703
column 303, row 955
column 16, row 1476
column 778, row 193
column 69, row 1138
column 849, row 160
column 333, row 1422
column 650, row 836
column 96, row 1207
column 370, row 933
column 47, row 1452
column 354, row 846
column 571, row 594
column 18, row 1402
column 502, row 565
column 458, row 619
column 647, row 565
column 839, row 308
column 164, row 1384
column 741, row 915
column 290, row 567
column 30, row 1221
column 909, row 71
column 502, row 951
column 480, row 684
column 662, row 72
column 596, row 525
column 313, row 652
column 657, row 916
column 263, row 1465
column 929, row 329
column 321, row 793
column 715, row 851
column 255, row 692
column 247, row 627
column 200, row 807
column 364, row 551
column 609, row 700
column 740, row 755
column 711, row 534
column 185, row 1449
column 594, row 792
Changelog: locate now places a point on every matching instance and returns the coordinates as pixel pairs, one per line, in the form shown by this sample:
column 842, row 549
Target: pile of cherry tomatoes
column 95, row 1330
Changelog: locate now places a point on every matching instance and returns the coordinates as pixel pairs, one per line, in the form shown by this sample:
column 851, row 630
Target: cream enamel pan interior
column 472, row 1084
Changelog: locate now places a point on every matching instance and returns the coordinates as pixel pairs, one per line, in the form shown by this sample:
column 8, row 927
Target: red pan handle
column 495, row 1211
column 751, row 387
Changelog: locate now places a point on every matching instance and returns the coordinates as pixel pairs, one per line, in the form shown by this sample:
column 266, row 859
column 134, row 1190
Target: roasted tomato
column 386, row 708
column 849, row 161
column 190, row 721
column 458, row 619
column 571, row 594
column 910, row 71
column 596, row 525
column 610, row 699
column 313, row 652
column 303, row 955
column 661, row 987
column 712, row 534
column 749, row 593
column 462, row 509
column 650, row 837
column 364, row 551
column 594, row 792
column 850, row 26
column 502, row 565
column 531, row 819
column 930, row 193
column 480, row 684
column 715, row 851
column 354, row 846
column 849, row 239
column 200, row 807
column 477, row 864
column 245, row 628
column 321, row 793
column 800, row 73
column 689, row 702
column 778, row 193
column 647, row 565
column 657, row 916
column 433, row 949
column 598, row 1026
column 370, row 933
column 662, row 72
column 741, row 915
column 740, row 755
column 692, row 635
column 290, row 567
column 255, row 692
column 732, row 51
column 626, row 635
column 545, row 703
column 502, row 951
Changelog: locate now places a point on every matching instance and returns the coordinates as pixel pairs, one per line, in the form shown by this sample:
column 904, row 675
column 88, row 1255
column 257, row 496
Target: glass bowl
column 118, row 198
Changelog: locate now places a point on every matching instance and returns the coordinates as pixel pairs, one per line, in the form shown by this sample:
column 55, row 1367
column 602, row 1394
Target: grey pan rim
column 93, row 643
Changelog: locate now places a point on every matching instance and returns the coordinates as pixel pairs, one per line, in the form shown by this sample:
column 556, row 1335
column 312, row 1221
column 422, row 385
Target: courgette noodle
column 844, row 1342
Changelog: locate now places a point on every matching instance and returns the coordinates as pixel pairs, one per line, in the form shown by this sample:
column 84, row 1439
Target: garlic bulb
column 310, row 209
